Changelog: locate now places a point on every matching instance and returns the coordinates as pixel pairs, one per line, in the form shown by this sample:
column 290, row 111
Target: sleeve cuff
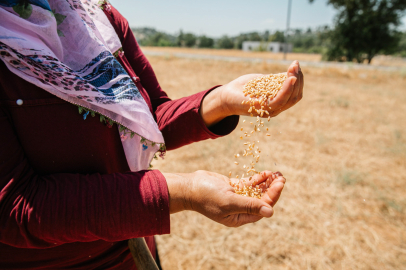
column 161, row 202
column 181, row 124
column 146, row 208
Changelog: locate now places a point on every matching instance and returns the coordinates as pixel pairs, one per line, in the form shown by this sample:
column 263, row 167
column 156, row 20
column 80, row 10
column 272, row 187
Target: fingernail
column 294, row 80
column 266, row 211
column 297, row 69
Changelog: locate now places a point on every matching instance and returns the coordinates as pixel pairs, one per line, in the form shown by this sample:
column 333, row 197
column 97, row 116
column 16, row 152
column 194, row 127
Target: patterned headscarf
column 67, row 48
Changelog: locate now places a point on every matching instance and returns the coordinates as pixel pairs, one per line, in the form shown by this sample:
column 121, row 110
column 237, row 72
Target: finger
column 247, row 205
column 284, row 94
column 293, row 68
column 267, row 183
column 242, row 219
column 301, row 83
column 262, row 180
column 274, row 191
column 295, row 96
column 259, row 178
column 278, row 173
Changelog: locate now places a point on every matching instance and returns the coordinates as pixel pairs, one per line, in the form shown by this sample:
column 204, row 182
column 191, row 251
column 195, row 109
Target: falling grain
column 260, row 90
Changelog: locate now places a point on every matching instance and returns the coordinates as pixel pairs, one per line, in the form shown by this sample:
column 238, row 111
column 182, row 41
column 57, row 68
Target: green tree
column 364, row 28
column 205, row 42
column 190, row 40
column 278, row 36
column 158, row 39
column 225, row 43
column 402, row 45
column 147, row 36
column 309, row 41
column 180, row 41
column 186, row 40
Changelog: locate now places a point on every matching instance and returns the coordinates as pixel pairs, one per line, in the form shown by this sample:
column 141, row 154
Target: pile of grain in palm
column 259, row 90
column 247, row 191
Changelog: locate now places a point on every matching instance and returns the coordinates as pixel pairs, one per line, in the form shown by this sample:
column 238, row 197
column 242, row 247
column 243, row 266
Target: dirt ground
column 342, row 150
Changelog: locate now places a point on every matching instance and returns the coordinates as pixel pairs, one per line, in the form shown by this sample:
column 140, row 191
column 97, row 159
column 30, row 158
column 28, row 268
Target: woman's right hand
column 211, row 195
column 227, row 99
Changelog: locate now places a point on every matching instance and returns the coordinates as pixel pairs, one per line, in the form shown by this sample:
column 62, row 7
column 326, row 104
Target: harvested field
column 238, row 53
column 379, row 60
column 342, row 150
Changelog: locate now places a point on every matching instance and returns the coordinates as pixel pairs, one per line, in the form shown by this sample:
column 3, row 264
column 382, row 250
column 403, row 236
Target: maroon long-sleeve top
column 67, row 197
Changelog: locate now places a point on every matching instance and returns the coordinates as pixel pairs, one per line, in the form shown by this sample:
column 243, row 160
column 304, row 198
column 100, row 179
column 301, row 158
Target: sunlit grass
column 342, row 150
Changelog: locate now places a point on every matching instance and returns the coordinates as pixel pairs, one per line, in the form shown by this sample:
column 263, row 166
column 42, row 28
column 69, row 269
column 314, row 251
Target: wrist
column 179, row 192
column 213, row 109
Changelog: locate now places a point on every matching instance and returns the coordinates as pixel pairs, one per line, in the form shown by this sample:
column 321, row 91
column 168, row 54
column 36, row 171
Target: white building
column 274, row 47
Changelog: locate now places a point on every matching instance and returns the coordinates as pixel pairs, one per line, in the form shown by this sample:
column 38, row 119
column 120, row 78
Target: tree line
column 309, row 40
column 304, row 41
column 361, row 30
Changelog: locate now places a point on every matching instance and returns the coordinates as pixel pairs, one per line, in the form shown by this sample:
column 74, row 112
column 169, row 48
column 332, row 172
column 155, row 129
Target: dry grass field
column 238, row 53
column 342, row 150
column 379, row 60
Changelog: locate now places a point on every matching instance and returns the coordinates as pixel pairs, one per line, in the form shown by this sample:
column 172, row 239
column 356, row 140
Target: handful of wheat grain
column 259, row 90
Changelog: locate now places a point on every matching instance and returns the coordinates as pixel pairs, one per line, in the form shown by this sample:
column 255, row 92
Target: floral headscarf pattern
column 67, row 48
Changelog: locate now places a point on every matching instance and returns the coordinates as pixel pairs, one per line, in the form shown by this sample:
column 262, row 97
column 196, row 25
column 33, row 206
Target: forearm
column 181, row 123
column 42, row 212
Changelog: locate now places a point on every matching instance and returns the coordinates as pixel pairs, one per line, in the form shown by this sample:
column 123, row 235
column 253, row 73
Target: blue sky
column 219, row 17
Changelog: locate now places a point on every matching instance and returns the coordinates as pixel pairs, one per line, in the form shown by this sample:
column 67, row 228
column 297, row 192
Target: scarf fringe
column 109, row 122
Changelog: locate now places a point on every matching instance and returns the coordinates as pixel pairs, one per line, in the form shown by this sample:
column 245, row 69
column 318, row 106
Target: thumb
column 251, row 206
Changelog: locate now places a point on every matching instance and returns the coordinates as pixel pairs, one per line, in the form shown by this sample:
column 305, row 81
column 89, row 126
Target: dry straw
column 320, row 222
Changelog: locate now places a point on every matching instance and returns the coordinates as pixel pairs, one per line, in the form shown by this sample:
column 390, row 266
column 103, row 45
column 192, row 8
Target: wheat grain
column 260, row 91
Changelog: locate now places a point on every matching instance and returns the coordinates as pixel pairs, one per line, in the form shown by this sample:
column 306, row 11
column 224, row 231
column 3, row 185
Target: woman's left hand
column 211, row 194
column 226, row 100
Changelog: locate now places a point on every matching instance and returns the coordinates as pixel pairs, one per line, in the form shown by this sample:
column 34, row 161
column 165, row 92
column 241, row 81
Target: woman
column 73, row 187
